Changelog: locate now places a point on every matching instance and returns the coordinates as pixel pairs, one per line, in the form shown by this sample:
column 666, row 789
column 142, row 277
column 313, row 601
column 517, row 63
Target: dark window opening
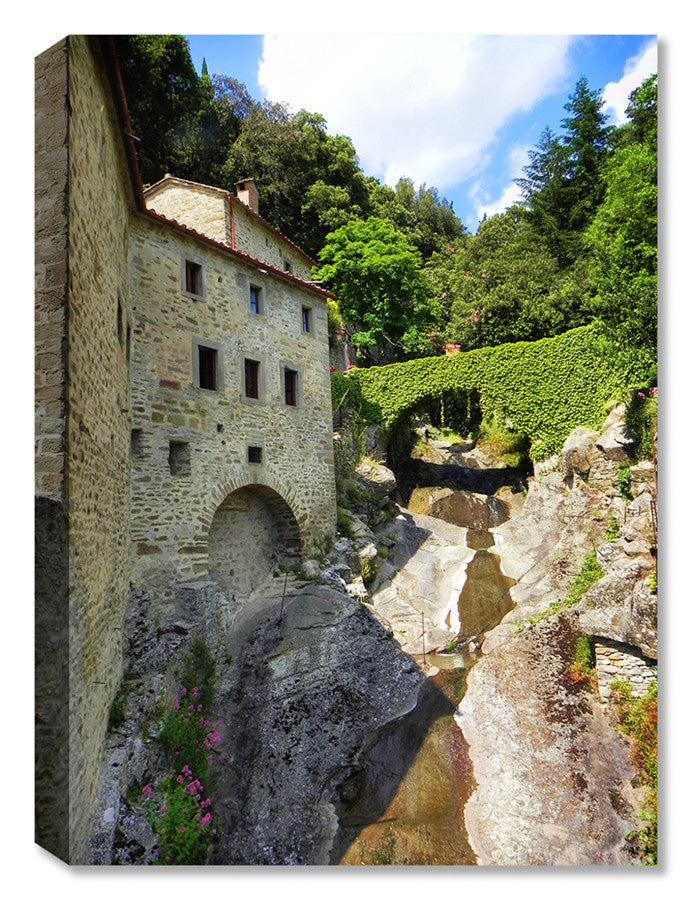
column 128, row 344
column 290, row 387
column 254, row 454
column 307, row 319
column 288, row 267
column 193, row 277
column 255, row 300
column 208, row 375
column 179, row 458
column 252, row 383
column 120, row 320
column 136, row 448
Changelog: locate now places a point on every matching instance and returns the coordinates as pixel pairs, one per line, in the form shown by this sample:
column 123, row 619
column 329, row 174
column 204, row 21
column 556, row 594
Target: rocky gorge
column 409, row 697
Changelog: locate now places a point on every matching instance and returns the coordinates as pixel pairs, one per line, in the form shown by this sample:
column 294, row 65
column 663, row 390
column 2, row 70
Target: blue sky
column 459, row 112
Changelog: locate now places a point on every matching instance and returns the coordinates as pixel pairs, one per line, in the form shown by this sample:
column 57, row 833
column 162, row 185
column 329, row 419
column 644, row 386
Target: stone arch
column 252, row 531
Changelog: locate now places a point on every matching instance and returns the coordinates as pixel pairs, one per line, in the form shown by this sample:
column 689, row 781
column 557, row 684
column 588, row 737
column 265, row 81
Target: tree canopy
column 409, row 277
column 377, row 275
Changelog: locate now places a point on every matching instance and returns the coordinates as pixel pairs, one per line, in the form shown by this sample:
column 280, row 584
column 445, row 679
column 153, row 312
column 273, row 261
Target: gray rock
column 314, row 693
column 378, row 479
column 576, row 453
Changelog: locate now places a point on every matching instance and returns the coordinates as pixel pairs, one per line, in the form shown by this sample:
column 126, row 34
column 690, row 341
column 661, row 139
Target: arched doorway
column 253, row 531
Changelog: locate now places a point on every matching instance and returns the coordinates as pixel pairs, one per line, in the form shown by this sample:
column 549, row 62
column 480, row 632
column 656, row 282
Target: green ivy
column 546, row 388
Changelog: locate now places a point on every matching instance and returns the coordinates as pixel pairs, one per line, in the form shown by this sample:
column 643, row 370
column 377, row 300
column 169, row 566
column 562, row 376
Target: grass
column 589, row 574
column 638, row 719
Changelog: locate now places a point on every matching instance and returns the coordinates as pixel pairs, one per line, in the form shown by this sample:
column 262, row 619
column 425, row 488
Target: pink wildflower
column 180, row 779
column 176, row 702
column 184, row 691
column 205, row 820
column 214, row 737
column 195, row 691
column 146, row 790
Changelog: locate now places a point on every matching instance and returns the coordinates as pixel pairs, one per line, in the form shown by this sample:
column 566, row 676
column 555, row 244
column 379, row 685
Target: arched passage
column 253, row 531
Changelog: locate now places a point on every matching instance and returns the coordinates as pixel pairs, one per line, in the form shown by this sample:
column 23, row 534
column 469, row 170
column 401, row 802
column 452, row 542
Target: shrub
column 583, row 669
column 638, row 719
column 625, row 483
column 183, row 820
column 546, row 387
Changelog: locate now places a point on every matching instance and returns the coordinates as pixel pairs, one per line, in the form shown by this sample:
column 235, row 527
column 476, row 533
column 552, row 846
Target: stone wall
column 259, row 240
column 206, row 209
column 217, row 214
column 51, row 185
column 51, row 580
column 614, row 660
column 91, row 531
column 213, row 429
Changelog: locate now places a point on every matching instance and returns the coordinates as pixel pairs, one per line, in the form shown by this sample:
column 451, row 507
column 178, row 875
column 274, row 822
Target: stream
column 423, row 823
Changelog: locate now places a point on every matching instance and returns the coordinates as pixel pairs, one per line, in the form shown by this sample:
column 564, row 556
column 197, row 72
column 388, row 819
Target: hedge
column 545, row 388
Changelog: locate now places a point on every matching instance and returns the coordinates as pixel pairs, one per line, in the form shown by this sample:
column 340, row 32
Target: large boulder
column 616, row 441
column 309, row 694
column 377, row 479
column 577, row 453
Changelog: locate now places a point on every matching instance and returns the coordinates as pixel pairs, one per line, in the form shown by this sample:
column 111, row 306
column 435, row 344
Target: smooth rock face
column 302, row 699
column 552, row 774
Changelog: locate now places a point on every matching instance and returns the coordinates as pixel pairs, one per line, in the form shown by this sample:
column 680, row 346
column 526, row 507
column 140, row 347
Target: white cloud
column 637, row 69
column 482, row 199
column 421, row 106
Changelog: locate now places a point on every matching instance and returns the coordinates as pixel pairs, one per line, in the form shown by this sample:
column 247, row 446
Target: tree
column 377, row 276
column 163, row 94
column 562, row 183
column 623, row 242
column 504, row 285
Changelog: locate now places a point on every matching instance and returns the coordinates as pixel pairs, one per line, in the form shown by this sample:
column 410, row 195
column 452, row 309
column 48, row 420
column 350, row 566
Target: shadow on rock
column 323, row 716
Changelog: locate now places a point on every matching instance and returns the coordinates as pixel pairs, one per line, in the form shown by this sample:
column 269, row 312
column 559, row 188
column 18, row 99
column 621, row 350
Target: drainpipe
column 230, row 206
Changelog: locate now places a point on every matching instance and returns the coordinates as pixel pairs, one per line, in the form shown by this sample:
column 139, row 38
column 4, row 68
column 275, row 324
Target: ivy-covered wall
column 546, row 388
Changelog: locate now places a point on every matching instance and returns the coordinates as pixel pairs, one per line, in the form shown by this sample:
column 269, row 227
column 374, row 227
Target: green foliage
column 504, row 285
column 183, row 821
column 163, row 92
column 583, row 668
column 200, row 672
column 638, row 718
column 641, row 417
column 562, row 183
column 503, row 444
column 546, row 388
column 612, row 529
column 116, row 714
column 376, row 274
column 343, row 523
column 653, row 582
column 369, row 570
column 589, row 574
column 625, row 483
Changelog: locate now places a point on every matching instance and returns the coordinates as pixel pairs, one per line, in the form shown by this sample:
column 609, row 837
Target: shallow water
column 424, row 822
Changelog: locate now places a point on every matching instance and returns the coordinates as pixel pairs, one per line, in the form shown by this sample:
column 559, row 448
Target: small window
column 136, row 445
column 179, row 458
column 128, row 343
column 120, row 320
column 208, row 368
column 193, row 278
column 288, row 267
column 307, row 319
column 252, row 379
column 290, row 387
column 255, row 300
column 254, row 454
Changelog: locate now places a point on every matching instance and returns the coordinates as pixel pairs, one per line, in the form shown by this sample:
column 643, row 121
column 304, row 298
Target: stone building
column 183, row 407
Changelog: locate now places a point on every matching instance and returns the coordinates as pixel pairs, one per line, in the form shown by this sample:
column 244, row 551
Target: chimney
column 248, row 194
